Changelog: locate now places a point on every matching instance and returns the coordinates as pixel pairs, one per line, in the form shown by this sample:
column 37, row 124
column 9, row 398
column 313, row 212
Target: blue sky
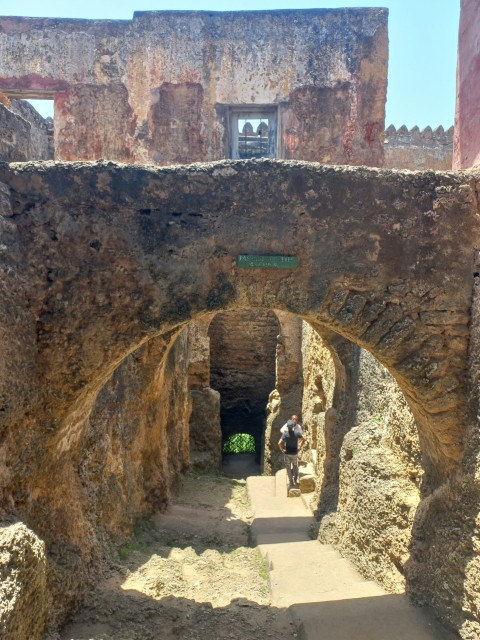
column 423, row 43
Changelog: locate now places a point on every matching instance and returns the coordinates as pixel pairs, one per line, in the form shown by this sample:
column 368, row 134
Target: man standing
column 290, row 444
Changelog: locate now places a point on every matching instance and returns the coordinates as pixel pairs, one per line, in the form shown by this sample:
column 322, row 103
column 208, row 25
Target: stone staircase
column 325, row 595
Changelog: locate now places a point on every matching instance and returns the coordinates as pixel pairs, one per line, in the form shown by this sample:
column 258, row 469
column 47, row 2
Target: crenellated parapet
column 418, row 149
column 427, row 136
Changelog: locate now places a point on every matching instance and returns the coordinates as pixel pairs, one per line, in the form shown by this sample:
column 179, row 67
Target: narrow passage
column 192, row 573
column 187, row 574
column 325, row 596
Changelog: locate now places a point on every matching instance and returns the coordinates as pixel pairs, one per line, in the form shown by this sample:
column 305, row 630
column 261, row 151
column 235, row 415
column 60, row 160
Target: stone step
column 325, row 595
column 307, row 498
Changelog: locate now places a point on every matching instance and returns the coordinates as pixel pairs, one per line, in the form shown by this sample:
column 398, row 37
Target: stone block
column 23, row 598
column 307, row 484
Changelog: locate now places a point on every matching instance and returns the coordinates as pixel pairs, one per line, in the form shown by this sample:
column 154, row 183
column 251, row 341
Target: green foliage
column 263, row 567
column 240, row 443
column 130, row 547
column 144, row 533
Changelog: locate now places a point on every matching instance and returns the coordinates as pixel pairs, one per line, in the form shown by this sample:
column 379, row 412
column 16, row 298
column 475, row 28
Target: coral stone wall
column 318, row 388
column 159, row 88
column 418, row 150
column 379, row 480
column 129, row 453
column 24, row 134
column 99, row 260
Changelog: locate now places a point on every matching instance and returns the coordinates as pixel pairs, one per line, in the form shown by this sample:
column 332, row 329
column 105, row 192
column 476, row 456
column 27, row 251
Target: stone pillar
column 289, row 353
column 287, row 396
column 205, row 431
column 199, row 353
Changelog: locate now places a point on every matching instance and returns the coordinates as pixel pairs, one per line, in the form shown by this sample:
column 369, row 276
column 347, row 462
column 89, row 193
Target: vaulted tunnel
column 149, row 249
column 107, row 265
column 243, row 349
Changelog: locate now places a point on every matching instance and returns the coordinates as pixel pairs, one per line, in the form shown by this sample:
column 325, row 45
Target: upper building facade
column 467, row 114
column 174, row 87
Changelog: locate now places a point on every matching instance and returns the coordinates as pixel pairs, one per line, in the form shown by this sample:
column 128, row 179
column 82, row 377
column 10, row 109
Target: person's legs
column 294, row 462
column 288, row 467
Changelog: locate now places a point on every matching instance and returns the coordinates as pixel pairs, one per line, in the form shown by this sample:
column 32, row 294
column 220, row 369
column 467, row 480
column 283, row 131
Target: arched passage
column 100, row 260
column 242, row 360
column 108, row 256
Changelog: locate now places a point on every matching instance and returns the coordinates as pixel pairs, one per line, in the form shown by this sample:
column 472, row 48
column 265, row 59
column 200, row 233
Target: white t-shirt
column 297, row 429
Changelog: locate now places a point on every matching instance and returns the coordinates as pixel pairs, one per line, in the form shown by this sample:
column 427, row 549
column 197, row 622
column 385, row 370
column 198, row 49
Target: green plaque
column 267, row 262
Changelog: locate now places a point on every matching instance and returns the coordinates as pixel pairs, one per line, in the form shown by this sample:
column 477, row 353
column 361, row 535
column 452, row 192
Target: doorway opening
column 242, row 369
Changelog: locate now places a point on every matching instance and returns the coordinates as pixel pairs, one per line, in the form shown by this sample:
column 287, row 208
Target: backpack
column 291, row 441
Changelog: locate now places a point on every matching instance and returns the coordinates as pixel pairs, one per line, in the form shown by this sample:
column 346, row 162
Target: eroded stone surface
column 205, row 430
column 100, row 261
column 23, row 582
column 158, row 88
column 145, row 263
column 379, row 481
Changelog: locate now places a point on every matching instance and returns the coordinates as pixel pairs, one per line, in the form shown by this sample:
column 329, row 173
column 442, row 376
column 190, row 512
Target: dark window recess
column 254, row 133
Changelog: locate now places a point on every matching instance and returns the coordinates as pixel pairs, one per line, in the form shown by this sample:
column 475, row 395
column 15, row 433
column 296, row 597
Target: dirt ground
column 187, row 574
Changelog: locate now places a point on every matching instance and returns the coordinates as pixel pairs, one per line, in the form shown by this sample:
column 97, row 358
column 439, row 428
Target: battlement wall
column 418, row 150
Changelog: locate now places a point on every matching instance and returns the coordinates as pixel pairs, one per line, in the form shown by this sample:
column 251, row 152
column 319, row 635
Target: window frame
column 253, row 112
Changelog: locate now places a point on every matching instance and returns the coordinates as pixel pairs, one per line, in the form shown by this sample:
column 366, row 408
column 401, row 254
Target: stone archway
column 106, row 257
column 100, row 261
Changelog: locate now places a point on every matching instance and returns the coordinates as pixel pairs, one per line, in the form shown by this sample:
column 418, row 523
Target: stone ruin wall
column 369, row 517
column 130, row 455
column 24, row 134
column 370, row 499
column 167, row 100
column 50, row 282
column 467, row 114
column 418, row 150
column 204, row 426
column 370, row 453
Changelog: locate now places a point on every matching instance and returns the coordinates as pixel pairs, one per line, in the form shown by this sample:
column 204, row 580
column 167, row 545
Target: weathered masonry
column 102, row 262
column 129, row 294
column 181, row 87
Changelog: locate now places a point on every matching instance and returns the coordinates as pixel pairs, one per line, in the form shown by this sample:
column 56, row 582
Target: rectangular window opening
column 27, row 128
column 253, row 132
